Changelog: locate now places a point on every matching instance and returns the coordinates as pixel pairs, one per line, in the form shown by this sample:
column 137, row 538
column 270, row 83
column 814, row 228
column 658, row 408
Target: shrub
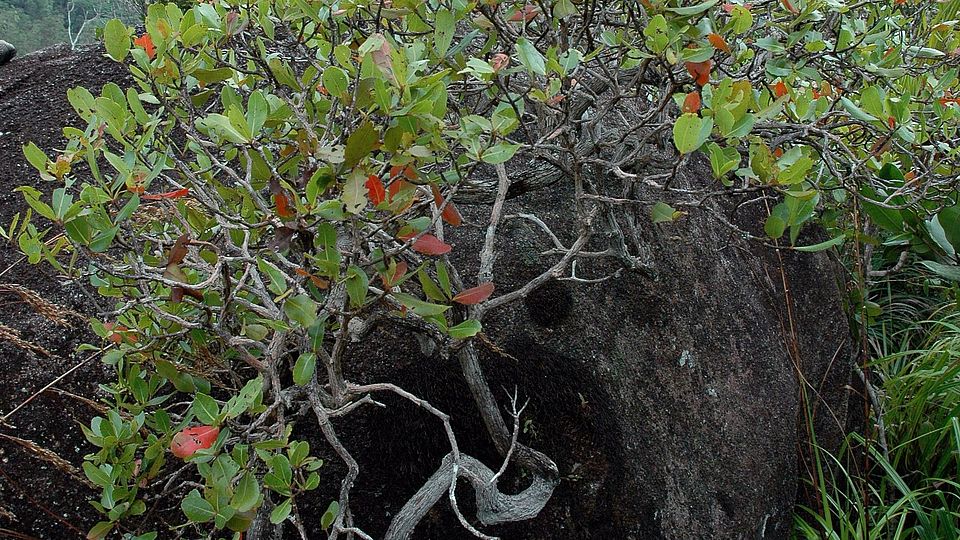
column 279, row 183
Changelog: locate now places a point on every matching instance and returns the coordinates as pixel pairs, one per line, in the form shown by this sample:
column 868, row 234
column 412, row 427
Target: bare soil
column 38, row 499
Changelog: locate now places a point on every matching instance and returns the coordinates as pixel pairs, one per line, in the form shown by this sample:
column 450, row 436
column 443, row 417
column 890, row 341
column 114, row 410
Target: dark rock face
column 671, row 399
column 7, row 52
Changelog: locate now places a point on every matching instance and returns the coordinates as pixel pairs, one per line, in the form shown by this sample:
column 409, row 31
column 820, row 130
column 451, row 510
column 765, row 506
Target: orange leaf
column 691, row 103
column 475, row 295
column 892, row 122
column 450, row 213
column 700, row 71
column 718, row 42
column 375, row 189
column 176, row 194
column 397, row 186
column 145, row 43
column 188, row 441
column 318, row 282
column 283, row 205
column 780, row 89
column 429, row 244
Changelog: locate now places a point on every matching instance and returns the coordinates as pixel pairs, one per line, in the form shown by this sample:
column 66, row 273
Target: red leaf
column 700, row 71
column 718, row 42
column 892, row 122
column 499, row 61
column 145, row 43
column 118, row 333
column 283, row 205
column 780, row 89
column 728, row 7
column 525, row 14
column 390, row 281
column 188, row 441
column 691, row 103
column 176, row 194
column 789, row 7
column 475, row 295
column 375, row 190
column 450, row 214
column 429, row 244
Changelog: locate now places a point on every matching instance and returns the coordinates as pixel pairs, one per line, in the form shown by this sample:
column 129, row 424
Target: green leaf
column 304, row 368
column 530, row 57
column 890, row 172
column 822, row 245
column 36, row 157
column 695, row 9
column 355, row 191
column 257, row 111
column 301, row 309
column 656, row 33
column 424, row 309
column 213, row 76
column 445, row 24
column 889, row 219
column 360, row 143
column 855, row 111
column 100, row 530
column 662, row 212
column 239, row 403
column 196, row 508
column 466, row 329
column 247, row 493
column 335, row 81
column 430, row 288
column 32, row 196
column 221, row 125
column 686, row 133
column 499, row 153
column 96, row 474
column 116, row 37
column 281, row 512
column 723, row 159
column 948, row 271
column 776, row 223
column 949, row 220
column 796, row 173
column 333, row 510
column 206, row 408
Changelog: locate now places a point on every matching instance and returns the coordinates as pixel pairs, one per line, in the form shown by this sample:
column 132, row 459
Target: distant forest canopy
column 34, row 24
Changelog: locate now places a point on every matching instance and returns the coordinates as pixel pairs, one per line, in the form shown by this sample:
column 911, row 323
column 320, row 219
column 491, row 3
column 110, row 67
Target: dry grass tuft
column 47, row 309
column 50, row 457
column 12, row 335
